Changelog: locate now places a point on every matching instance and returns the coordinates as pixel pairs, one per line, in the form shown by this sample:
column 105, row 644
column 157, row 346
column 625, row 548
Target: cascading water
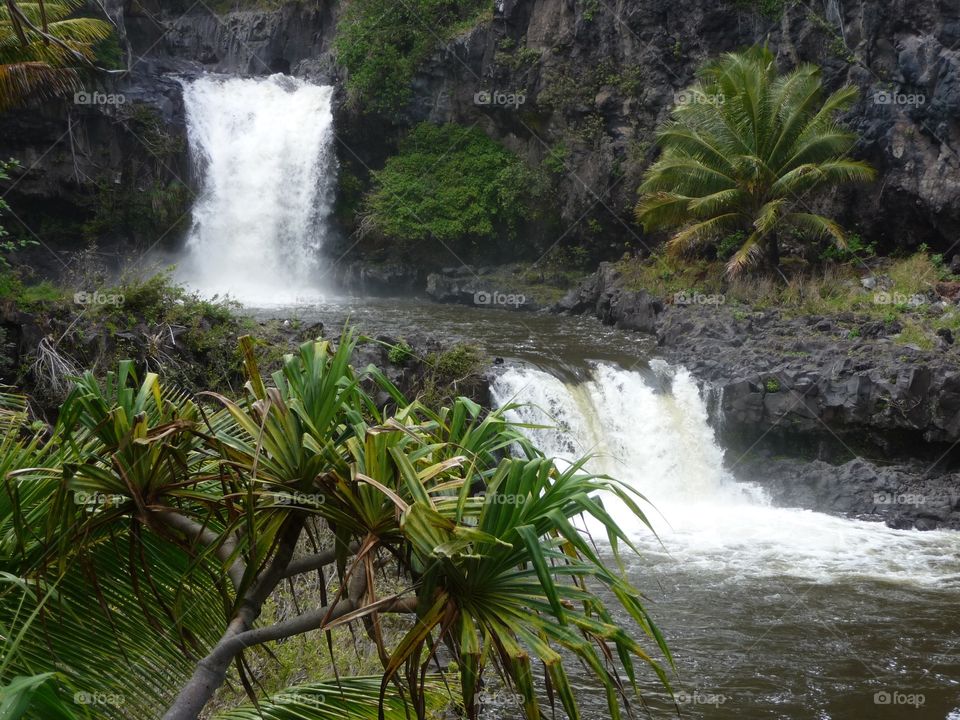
column 660, row 442
column 263, row 150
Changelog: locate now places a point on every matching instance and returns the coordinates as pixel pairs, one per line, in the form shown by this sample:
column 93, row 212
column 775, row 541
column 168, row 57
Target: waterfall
column 651, row 431
column 262, row 149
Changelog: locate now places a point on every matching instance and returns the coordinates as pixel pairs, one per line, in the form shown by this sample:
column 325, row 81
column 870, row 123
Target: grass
column 92, row 323
column 544, row 284
column 451, row 373
column 27, row 296
column 830, row 290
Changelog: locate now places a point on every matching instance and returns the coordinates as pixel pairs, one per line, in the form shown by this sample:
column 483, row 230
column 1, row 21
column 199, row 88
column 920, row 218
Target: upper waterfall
column 262, row 149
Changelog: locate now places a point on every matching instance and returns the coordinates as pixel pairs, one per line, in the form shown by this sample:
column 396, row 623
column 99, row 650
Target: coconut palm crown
column 43, row 45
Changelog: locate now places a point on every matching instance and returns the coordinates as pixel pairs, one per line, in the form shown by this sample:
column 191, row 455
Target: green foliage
column 400, row 353
column 458, row 362
column 742, row 152
column 352, row 698
column 8, row 246
column 515, row 57
column 855, row 249
column 450, row 373
column 452, row 187
column 381, row 43
column 150, row 521
column 109, row 54
column 556, row 159
column 158, row 209
column 44, row 47
column 730, row 244
column 590, row 8
column 772, row 385
column 24, row 295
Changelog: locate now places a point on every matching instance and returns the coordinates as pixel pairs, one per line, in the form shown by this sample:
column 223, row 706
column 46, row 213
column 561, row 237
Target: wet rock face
column 783, row 378
column 603, row 295
column 293, row 40
column 902, row 496
column 598, row 83
column 595, row 84
column 125, row 138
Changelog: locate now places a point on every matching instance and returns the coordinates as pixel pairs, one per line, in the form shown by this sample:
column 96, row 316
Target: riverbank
column 50, row 334
column 860, row 377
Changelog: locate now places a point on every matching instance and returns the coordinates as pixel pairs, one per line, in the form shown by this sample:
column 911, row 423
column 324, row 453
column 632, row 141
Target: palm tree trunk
column 773, row 252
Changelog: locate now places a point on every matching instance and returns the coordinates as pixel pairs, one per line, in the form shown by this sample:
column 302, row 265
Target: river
column 770, row 612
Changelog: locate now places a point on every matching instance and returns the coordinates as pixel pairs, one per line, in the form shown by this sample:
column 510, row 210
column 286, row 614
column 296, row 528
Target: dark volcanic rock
column 602, row 295
column 827, row 386
column 903, row 496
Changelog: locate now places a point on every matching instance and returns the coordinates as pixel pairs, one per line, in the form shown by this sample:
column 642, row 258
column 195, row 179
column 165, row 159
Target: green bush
column 381, row 43
column 454, row 186
column 400, row 353
column 856, row 249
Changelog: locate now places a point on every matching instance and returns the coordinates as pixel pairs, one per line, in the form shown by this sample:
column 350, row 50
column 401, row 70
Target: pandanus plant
column 192, row 511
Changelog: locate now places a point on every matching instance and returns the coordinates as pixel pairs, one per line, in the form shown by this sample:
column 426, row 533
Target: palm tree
column 744, row 149
column 42, row 49
column 146, row 534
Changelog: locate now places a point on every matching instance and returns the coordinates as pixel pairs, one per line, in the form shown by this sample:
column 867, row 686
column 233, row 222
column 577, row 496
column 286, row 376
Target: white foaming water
column 660, row 443
column 263, row 150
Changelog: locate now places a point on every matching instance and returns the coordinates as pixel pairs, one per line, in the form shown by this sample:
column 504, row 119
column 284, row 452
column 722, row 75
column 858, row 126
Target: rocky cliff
column 595, row 78
column 582, row 82
column 827, row 387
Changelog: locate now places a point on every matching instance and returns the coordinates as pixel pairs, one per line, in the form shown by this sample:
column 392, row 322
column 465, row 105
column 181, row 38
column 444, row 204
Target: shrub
column 453, row 186
column 381, row 43
column 400, row 353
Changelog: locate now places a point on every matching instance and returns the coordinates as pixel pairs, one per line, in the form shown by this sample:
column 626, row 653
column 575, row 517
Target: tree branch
column 207, row 537
column 211, row 672
column 316, row 561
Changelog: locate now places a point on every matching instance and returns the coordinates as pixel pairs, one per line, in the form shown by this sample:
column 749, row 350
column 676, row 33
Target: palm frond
column 748, row 141
column 349, row 698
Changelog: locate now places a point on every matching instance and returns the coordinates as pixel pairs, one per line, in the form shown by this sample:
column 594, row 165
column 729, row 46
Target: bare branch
column 316, row 561
column 226, row 546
